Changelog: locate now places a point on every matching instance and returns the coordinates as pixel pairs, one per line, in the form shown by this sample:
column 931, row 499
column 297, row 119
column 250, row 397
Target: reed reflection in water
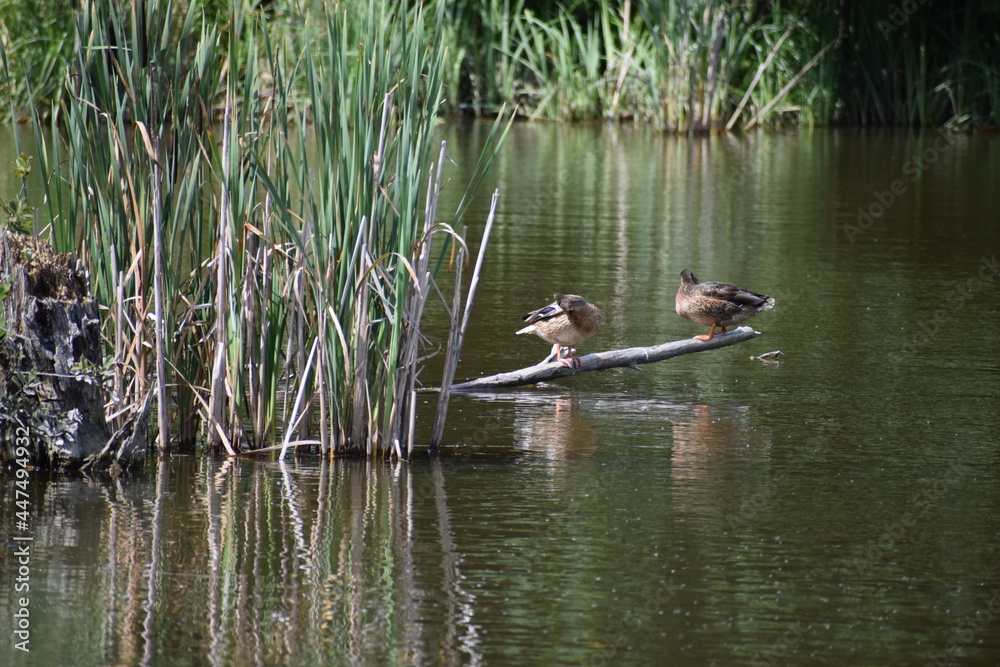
column 236, row 562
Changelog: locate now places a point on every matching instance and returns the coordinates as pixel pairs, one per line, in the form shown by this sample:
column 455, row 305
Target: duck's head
column 571, row 302
column 688, row 278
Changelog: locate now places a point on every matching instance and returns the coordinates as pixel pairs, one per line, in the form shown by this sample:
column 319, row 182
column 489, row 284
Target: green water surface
column 839, row 508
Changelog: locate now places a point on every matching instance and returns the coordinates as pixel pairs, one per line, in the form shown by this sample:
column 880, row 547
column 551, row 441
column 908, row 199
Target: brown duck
column 568, row 320
column 720, row 305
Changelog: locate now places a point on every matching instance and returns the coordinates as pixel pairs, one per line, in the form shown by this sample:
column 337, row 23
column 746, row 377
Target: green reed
column 252, row 206
column 682, row 65
column 36, row 40
column 697, row 65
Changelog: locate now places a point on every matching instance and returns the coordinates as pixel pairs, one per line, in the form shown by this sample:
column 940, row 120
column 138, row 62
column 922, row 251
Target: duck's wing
column 545, row 313
column 732, row 293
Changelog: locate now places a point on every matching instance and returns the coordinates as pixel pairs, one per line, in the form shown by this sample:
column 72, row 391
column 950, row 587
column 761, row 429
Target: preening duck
column 568, row 320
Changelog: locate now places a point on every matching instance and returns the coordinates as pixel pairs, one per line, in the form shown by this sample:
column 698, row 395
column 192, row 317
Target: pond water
column 841, row 507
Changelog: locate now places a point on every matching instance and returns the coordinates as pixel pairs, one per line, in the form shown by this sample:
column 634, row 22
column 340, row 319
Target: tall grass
column 34, row 36
column 478, row 74
column 676, row 64
column 696, row 66
column 252, row 212
column 684, row 65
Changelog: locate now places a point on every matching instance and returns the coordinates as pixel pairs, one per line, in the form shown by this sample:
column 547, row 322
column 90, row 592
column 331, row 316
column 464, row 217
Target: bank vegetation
column 681, row 65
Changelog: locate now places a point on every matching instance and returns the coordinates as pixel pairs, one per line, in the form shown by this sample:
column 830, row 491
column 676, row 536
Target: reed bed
column 254, row 214
column 706, row 65
column 682, row 65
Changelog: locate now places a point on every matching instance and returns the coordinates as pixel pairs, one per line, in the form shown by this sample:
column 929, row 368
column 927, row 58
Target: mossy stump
column 51, row 395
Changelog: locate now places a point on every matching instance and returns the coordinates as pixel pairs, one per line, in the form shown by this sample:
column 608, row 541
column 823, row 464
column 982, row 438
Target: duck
column 718, row 305
column 568, row 320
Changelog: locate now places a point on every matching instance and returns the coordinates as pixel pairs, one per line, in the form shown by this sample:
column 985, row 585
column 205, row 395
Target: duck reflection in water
column 711, row 436
column 567, row 432
column 719, row 460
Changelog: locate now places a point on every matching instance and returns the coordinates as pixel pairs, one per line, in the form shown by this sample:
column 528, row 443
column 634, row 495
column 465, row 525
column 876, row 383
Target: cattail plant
column 254, row 214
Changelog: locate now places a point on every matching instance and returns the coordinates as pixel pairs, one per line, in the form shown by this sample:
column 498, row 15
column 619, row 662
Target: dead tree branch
column 630, row 357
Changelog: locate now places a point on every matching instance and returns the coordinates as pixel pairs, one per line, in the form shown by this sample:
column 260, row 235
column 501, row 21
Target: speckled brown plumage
column 568, row 320
column 720, row 305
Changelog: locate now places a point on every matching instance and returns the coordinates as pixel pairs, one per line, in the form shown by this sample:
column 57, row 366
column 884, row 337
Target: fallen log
column 630, row 357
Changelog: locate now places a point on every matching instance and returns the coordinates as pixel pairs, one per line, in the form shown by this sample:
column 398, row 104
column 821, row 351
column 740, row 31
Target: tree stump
column 51, row 394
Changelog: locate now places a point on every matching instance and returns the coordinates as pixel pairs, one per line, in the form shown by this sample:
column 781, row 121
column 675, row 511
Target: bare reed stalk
column 416, row 300
column 160, row 321
column 794, row 80
column 298, row 409
column 457, row 337
column 117, row 318
column 261, row 393
column 450, row 360
column 296, row 332
column 220, row 332
column 756, row 77
column 360, row 332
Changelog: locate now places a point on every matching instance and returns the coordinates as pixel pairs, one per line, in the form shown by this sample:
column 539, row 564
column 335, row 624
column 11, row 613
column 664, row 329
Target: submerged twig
column 599, row 361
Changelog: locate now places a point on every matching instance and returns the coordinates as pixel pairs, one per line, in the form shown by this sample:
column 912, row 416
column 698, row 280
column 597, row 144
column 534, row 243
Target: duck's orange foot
column 711, row 332
column 570, row 362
